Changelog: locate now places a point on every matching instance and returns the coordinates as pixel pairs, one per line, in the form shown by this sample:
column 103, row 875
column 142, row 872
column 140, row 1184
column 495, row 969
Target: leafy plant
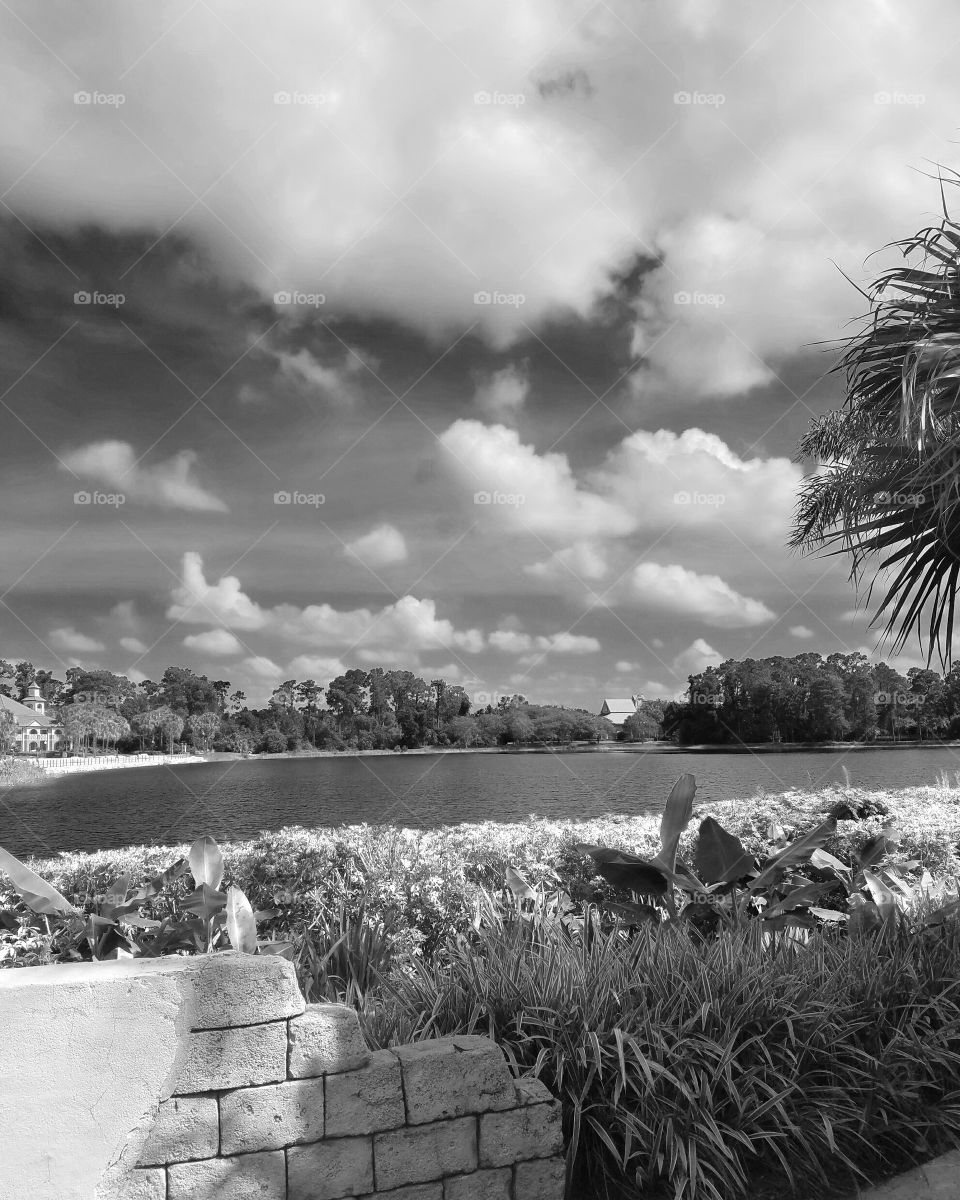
column 117, row 926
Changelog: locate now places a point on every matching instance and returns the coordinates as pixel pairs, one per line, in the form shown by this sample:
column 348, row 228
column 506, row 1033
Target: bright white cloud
column 677, row 590
column 307, row 666
column 408, row 623
column 380, row 547
column 696, row 658
column 511, row 641
column 584, row 561
column 801, row 631
column 168, row 484
column 71, row 641
column 262, row 668
column 133, row 645
column 215, row 642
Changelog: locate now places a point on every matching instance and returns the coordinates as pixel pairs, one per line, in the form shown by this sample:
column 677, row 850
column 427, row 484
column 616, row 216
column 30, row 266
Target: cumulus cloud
column 512, row 641
column 262, row 668
column 801, row 631
column 168, row 484
column 696, row 658
column 307, row 666
column 71, row 641
column 541, row 196
column 133, row 645
column 500, row 395
column 408, row 623
column 215, row 642
column 680, row 591
column 583, row 560
column 380, row 547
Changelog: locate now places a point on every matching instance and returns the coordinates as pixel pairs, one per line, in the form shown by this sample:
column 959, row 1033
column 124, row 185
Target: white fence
column 105, row 762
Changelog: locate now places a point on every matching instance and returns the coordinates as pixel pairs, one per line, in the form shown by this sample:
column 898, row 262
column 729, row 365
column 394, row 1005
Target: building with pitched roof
column 32, row 730
column 617, row 711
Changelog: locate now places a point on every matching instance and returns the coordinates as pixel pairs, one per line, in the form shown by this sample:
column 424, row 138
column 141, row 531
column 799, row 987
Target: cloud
column 511, row 641
column 527, row 490
column 623, row 667
column 380, row 547
column 409, row 624
column 542, row 193
column 166, row 484
column 214, row 641
column 306, row 666
column 263, row 668
column 339, row 382
column 677, row 590
column 583, row 560
column 500, row 395
column 133, row 645
column 69, row 640
column 800, row 631
column 696, row 658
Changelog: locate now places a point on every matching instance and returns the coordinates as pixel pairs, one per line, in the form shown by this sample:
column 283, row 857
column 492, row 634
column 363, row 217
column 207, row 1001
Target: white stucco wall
column 87, row 1051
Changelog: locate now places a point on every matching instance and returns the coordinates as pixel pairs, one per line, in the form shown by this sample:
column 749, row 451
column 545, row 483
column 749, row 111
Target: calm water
column 231, row 800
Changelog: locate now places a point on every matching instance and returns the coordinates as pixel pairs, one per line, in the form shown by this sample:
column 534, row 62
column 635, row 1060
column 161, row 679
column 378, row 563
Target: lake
column 236, row 799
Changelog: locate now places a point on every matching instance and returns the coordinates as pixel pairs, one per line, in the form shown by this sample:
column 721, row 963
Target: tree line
column 808, row 698
column 376, row 709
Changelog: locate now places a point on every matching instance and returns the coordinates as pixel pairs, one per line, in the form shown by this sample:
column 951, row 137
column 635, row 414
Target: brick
column 231, row 989
column 531, row 1091
column 481, row 1185
column 324, row 1040
column 231, row 1058
column 531, row 1132
column 247, row 1177
column 422, row 1153
column 367, row 1100
column 442, row 1079
column 135, row 1185
column 186, row 1127
column 541, row 1180
column 415, row 1191
column 271, row 1117
column 329, row 1170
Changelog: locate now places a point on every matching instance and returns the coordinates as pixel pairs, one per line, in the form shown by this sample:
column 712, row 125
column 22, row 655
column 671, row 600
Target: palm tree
column 887, row 487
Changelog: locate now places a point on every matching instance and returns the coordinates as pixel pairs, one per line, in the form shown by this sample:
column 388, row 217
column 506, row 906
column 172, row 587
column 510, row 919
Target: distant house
column 617, row 711
column 32, row 731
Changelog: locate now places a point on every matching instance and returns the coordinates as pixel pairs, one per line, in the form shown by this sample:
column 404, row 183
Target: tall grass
column 691, row 1068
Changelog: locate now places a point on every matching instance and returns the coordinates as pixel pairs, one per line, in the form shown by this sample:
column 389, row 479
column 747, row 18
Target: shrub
column 272, row 742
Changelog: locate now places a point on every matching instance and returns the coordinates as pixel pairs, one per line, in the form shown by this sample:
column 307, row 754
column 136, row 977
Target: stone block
column 330, row 1170
column 246, row 1177
column 271, row 1117
column 325, row 1039
column 531, row 1132
column 419, row 1154
column 367, row 1100
column 481, row 1185
column 185, row 1128
column 415, row 1191
column 135, row 1185
column 941, row 1175
column 443, row 1079
column 544, row 1179
column 531, row 1091
column 230, row 1058
column 231, row 989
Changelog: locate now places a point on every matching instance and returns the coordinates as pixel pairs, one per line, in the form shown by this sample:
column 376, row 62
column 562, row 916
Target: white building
column 33, row 732
column 617, row 711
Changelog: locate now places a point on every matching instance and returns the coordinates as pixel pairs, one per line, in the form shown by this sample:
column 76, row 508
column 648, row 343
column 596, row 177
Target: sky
column 470, row 338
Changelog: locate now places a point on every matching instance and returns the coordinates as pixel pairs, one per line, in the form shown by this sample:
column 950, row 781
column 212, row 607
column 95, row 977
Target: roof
column 618, row 706
column 24, row 715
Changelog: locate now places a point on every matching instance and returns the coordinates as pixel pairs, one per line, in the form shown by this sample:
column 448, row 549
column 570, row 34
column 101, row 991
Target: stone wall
column 208, row 1078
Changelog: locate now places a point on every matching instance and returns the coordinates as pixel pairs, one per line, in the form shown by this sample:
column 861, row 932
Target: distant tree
column 204, row 728
column 273, row 742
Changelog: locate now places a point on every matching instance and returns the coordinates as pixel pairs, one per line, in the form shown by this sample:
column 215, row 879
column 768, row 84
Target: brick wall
column 272, row 1099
